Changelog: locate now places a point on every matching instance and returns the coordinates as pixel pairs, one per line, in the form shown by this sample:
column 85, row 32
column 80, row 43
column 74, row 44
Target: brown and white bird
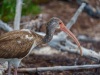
column 16, row 45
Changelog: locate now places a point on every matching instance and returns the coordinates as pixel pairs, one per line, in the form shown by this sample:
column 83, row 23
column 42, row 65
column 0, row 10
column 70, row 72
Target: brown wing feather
column 15, row 45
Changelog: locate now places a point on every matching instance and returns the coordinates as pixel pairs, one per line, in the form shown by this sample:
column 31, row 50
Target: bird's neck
column 49, row 35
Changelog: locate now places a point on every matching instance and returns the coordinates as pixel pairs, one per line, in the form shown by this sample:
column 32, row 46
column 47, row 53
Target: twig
column 5, row 27
column 18, row 14
column 76, row 60
column 58, row 68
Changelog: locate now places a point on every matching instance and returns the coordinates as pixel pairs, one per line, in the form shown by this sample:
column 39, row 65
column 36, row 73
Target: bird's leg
column 9, row 68
column 16, row 65
column 15, row 71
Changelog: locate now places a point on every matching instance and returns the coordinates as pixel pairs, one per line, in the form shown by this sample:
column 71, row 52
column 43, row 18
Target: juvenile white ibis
column 16, row 45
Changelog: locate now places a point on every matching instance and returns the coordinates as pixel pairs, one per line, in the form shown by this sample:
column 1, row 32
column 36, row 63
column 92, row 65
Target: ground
column 85, row 25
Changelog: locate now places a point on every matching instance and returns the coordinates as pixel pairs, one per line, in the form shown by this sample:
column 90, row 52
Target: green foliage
column 30, row 8
column 7, row 9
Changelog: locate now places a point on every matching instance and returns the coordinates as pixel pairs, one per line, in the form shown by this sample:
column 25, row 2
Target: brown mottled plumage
column 16, row 44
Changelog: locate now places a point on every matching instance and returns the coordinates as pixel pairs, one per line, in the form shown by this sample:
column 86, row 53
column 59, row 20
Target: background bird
column 16, row 45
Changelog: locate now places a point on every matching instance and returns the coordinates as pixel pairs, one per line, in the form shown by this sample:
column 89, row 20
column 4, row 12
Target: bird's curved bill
column 63, row 28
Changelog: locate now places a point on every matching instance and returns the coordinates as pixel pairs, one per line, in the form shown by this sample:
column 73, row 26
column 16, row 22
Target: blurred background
column 87, row 25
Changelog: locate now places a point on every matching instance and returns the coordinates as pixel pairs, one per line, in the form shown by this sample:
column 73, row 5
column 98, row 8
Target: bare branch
column 18, row 14
column 58, row 68
column 5, row 27
column 87, row 39
column 74, row 18
column 70, row 47
column 90, row 10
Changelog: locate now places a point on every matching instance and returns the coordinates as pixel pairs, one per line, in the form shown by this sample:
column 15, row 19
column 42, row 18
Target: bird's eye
column 59, row 22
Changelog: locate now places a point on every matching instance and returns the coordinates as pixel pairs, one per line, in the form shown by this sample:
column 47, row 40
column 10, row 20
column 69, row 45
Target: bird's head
column 56, row 23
